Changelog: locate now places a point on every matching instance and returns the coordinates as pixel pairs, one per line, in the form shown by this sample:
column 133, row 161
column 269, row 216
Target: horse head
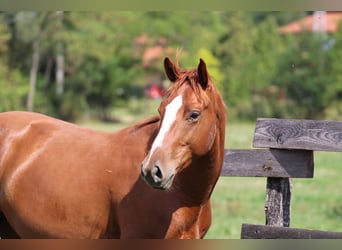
column 192, row 117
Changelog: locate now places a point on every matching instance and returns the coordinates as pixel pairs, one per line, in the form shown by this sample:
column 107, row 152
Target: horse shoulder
column 20, row 136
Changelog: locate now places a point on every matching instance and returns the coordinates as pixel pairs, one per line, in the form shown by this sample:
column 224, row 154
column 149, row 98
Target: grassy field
column 316, row 203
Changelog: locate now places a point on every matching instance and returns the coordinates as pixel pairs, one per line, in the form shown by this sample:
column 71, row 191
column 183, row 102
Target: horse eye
column 194, row 115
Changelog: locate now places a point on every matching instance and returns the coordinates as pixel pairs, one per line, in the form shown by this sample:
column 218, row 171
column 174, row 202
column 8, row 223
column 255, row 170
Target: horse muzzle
column 154, row 176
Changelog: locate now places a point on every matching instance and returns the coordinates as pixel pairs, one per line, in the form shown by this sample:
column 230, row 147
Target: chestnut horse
column 59, row 180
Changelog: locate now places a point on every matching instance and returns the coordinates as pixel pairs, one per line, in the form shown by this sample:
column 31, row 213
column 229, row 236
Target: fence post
column 278, row 202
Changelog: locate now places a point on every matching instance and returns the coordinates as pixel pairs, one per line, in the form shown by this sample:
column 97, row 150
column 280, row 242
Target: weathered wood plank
column 249, row 231
column 268, row 163
column 298, row 134
column 278, row 202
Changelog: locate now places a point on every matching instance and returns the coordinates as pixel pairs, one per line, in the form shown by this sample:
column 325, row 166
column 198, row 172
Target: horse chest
column 189, row 223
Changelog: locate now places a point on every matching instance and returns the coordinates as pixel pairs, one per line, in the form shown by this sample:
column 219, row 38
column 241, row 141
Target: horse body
column 45, row 193
column 58, row 180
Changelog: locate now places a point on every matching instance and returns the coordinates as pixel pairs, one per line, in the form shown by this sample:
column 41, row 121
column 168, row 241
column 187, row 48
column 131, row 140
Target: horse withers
column 151, row 180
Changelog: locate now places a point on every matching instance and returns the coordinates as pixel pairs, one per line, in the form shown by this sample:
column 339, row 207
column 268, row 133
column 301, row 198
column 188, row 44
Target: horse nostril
column 157, row 173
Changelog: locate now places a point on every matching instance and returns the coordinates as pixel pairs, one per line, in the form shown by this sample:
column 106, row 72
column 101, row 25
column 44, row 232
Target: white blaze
column 171, row 111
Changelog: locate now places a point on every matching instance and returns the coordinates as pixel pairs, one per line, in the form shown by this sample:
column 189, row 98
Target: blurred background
column 76, row 65
column 104, row 70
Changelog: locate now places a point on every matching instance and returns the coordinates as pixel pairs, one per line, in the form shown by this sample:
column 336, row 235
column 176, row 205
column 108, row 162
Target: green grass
column 316, row 203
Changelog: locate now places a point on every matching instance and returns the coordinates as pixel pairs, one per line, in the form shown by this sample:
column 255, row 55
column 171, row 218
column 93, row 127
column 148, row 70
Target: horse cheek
column 204, row 141
column 211, row 138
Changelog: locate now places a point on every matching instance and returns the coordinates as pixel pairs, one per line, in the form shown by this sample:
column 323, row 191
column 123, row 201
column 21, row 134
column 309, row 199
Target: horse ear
column 171, row 70
column 202, row 74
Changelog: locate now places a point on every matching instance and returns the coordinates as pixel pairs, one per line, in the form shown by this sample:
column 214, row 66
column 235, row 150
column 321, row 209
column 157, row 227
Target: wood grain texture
column 278, row 202
column 268, row 163
column 298, row 134
column 249, row 231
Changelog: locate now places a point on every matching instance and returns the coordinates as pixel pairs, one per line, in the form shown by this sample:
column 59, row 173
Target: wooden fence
column 288, row 152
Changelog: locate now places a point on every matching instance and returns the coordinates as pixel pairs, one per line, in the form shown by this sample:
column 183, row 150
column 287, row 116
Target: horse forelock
column 190, row 78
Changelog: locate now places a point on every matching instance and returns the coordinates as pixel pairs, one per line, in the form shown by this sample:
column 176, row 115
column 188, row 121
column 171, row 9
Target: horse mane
column 144, row 123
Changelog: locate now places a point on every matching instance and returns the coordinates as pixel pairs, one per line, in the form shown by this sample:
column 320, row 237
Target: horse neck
column 199, row 179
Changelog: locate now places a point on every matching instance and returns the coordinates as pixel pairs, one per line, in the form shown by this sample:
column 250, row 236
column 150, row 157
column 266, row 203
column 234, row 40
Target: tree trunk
column 47, row 74
column 35, row 63
column 33, row 73
column 59, row 57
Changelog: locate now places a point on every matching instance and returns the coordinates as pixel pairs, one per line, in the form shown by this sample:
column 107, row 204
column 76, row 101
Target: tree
column 333, row 94
column 101, row 70
column 234, row 47
column 248, row 54
column 12, row 83
column 81, row 61
column 36, row 44
column 302, row 73
column 59, row 56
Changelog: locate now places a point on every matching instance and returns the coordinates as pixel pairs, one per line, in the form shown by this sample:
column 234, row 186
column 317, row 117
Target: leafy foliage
column 12, row 83
column 302, row 76
column 13, row 89
column 259, row 71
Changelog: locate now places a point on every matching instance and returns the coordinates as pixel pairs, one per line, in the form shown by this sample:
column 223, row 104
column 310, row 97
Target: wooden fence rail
column 290, row 154
column 268, row 163
column 298, row 134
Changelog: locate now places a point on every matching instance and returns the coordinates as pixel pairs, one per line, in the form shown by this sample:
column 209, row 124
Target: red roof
column 319, row 21
column 151, row 50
